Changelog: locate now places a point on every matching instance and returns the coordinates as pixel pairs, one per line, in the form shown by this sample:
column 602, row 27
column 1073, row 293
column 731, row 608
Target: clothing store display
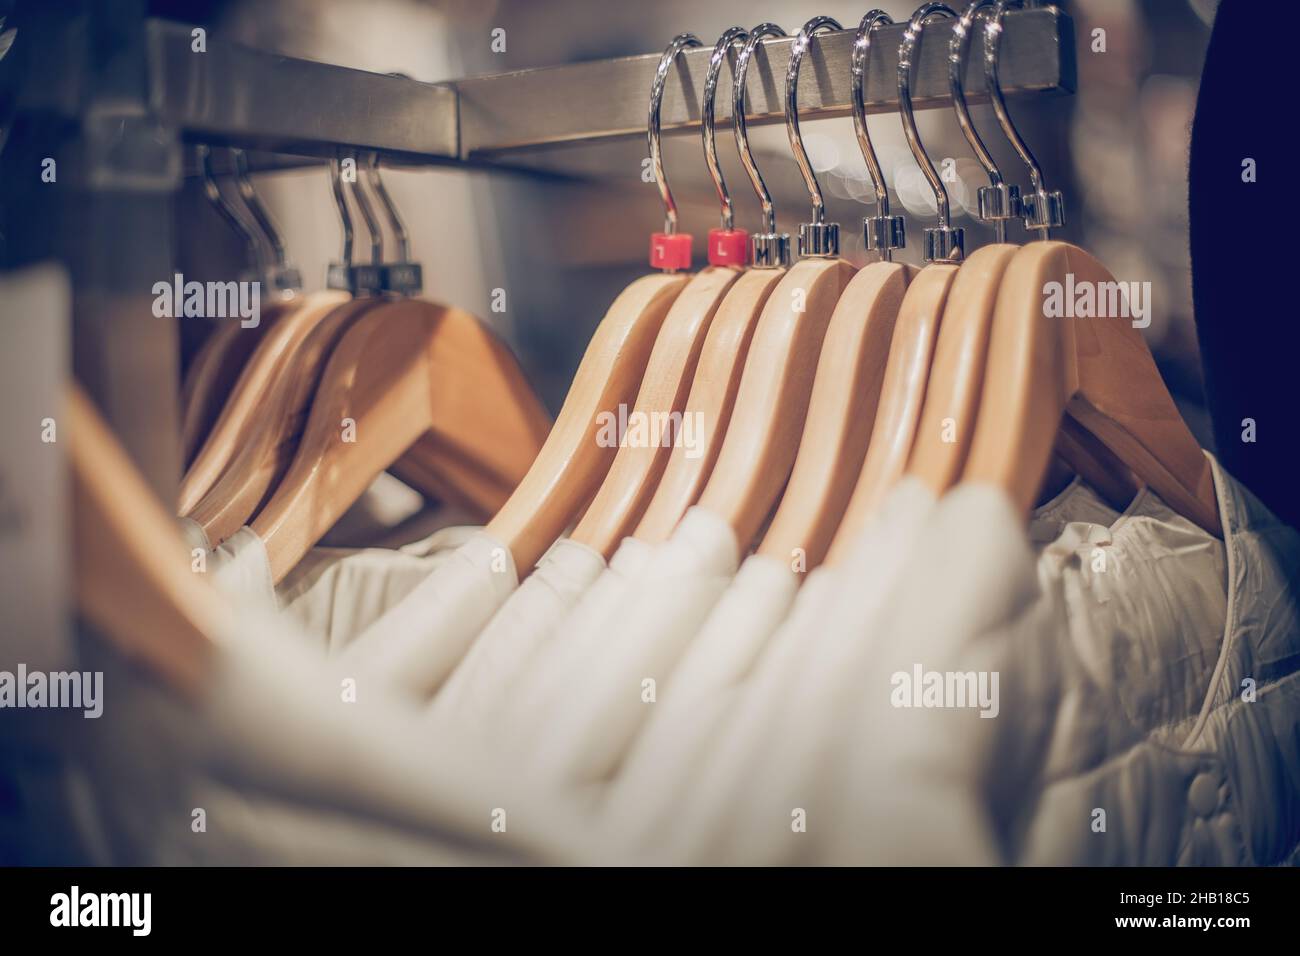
column 507, row 524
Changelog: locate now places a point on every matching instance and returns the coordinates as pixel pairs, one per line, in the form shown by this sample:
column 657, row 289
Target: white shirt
column 549, row 671
column 417, row 642
column 615, row 688
column 478, row 689
column 333, row 594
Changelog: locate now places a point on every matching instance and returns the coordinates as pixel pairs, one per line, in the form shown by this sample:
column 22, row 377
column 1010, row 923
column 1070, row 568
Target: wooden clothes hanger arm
column 956, row 377
column 406, row 368
column 212, row 375
column 244, row 406
column 637, row 466
column 710, row 402
column 132, row 579
column 1100, row 370
column 901, row 396
column 841, row 411
column 571, row 464
column 759, row 447
column 263, row 458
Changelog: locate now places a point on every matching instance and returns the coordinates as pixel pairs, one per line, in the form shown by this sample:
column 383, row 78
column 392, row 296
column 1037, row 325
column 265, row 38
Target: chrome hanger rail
column 238, row 96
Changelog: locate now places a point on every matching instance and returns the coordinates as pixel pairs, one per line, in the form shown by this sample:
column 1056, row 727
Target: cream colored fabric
column 416, row 644
column 609, row 697
column 278, row 764
column 473, row 697
column 749, row 723
column 578, row 637
column 333, row 594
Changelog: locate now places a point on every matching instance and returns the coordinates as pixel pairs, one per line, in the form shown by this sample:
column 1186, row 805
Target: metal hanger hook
column 681, row 42
column 1043, row 209
column 227, row 211
column 998, row 201
column 797, row 50
column 881, row 232
column 390, row 208
column 942, row 243
column 741, row 126
column 731, row 37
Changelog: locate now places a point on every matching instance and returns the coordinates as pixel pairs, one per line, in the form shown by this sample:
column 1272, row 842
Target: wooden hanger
column 212, row 375
column 132, row 579
column 406, row 368
column 1097, row 369
column 772, row 401
column 916, row 330
column 956, row 378
column 262, row 456
column 637, row 467
column 571, row 463
column 216, row 366
column 841, row 413
column 850, row 369
column 775, row 387
column 711, row 401
column 716, row 383
column 272, row 358
column 674, row 380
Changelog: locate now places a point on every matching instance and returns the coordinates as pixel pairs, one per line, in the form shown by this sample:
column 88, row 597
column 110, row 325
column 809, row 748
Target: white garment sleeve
column 618, row 685
column 416, row 644
column 478, row 689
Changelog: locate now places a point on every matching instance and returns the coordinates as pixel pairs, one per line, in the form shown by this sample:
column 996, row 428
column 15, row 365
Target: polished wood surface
column 772, row 402
column 665, row 384
column 1100, row 370
column 841, row 413
column 711, row 401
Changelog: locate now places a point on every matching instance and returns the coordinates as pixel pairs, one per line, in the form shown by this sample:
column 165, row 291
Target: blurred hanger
column 133, row 582
column 957, row 375
column 215, row 367
column 772, row 402
column 717, row 376
column 851, row 366
column 271, row 359
column 917, row 326
column 638, row 464
column 264, row 453
column 1098, row 370
column 406, row 369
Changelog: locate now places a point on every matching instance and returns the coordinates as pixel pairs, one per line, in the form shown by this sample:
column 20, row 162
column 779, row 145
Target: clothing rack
column 126, row 93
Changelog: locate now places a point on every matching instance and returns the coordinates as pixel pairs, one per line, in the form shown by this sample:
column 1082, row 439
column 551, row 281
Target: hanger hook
column 227, row 211
column 882, row 231
column 1043, row 209
column 943, row 243
column 768, row 249
column 284, row 276
column 998, row 201
column 666, row 252
column 817, row 238
column 390, row 208
column 730, row 38
column 403, row 276
column 728, row 245
column 345, row 217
